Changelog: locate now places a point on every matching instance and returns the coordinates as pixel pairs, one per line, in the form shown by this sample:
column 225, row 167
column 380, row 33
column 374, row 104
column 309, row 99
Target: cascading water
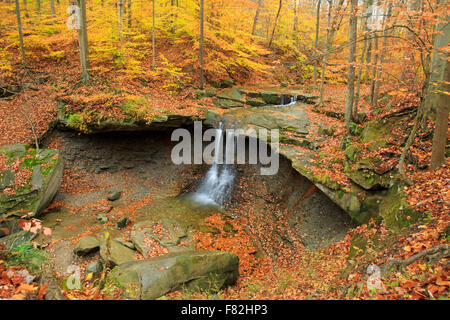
column 215, row 189
column 288, row 100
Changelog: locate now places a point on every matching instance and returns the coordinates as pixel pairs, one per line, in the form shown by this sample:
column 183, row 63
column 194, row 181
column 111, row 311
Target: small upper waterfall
column 216, row 186
column 288, row 100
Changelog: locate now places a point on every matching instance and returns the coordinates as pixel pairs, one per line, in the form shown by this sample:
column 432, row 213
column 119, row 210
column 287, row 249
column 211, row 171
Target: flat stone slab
column 152, row 278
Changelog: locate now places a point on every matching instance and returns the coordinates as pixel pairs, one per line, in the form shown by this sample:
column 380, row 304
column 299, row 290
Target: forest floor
column 297, row 273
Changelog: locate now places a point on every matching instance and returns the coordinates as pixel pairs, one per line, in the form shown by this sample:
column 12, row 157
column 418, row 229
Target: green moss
column 326, row 181
column 76, row 120
column 396, row 211
column 352, row 152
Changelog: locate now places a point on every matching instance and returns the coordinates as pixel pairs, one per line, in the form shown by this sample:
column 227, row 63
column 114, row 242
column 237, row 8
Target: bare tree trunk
column 275, row 23
column 316, row 42
column 294, row 28
column 38, row 6
column 351, row 60
column 202, row 63
column 83, row 41
column 52, row 7
column 383, row 53
column 129, row 13
column 374, row 69
column 368, row 60
column 331, row 29
column 19, row 29
column 420, row 114
column 255, row 21
column 438, row 99
column 119, row 15
column 153, row 34
column 325, row 56
column 363, row 52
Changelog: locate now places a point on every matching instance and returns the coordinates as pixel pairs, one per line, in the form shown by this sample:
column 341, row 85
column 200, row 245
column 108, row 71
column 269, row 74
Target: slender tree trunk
column 360, row 68
column 316, row 43
column 52, row 7
column 275, row 23
column 382, row 56
column 374, row 69
column 202, row 63
column 420, row 114
column 153, row 34
column 328, row 47
column 38, row 6
column 83, row 42
column 120, row 15
column 294, row 28
column 255, row 21
column 438, row 99
column 19, row 29
column 351, row 60
column 368, row 60
column 129, row 13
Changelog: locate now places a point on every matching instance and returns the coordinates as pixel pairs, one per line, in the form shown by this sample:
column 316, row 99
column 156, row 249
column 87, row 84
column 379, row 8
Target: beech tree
column 438, row 99
column 255, row 21
column 19, row 29
column 83, row 41
column 202, row 63
column 332, row 26
column 275, row 23
column 316, row 42
column 351, row 62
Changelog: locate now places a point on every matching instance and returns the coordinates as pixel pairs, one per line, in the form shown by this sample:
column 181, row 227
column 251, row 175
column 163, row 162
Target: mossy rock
column 352, row 152
column 358, row 246
column 226, row 103
column 253, row 94
column 223, row 83
column 255, row 102
column 231, row 94
column 226, row 83
column 397, row 213
column 208, row 229
column 114, row 252
column 368, row 179
column 210, row 92
column 270, row 97
column 152, row 278
column 46, row 166
column 379, row 132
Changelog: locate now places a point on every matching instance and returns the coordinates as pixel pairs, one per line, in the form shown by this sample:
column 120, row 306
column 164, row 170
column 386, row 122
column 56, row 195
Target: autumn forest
column 224, row 150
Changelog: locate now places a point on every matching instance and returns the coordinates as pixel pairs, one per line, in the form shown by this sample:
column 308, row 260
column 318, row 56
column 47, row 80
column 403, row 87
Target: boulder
column 16, row 239
column 255, row 102
column 94, row 267
column 86, row 245
column 114, row 252
column 152, row 278
column 231, row 94
column 210, row 92
column 113, row 196
column 226, row 104
column 122, row 222
column 46, row 169
column 170, row 235
column 271, row 97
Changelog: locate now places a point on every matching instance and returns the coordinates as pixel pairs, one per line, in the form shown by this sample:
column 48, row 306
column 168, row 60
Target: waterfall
column 217, row 184
column 288, row 100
